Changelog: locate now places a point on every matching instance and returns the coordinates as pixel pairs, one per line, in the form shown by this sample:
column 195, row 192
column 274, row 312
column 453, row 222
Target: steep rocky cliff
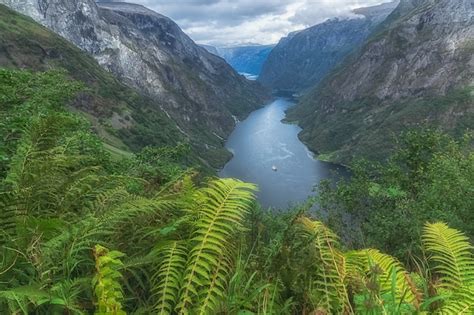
column 416, row 70
column 302, row 59
column 149, row 52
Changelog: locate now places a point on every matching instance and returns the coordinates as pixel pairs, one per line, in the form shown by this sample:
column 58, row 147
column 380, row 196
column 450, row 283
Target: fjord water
column 263, row 141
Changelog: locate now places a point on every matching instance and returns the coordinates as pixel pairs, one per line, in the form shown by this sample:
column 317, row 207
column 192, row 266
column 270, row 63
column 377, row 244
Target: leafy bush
column 429, row 177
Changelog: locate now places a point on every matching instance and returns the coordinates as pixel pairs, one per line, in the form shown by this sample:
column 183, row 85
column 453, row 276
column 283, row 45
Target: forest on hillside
column 84, row 230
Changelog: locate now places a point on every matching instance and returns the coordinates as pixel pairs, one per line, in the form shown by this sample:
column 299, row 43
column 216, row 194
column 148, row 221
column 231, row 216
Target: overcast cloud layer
column 233, row 22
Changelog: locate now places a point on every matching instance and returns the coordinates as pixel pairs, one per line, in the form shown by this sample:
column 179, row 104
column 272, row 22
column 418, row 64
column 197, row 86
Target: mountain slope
column 123, row 118
column 417, row 70
column 149, row 52
column 302, row 59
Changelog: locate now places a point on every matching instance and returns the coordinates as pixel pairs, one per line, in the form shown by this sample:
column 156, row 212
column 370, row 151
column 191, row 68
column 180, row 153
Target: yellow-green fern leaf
column 223, row 206
column 460, row 303
column 357, row 266
column 328, row 283
column 213, row 291
column 359, row 263
column 405, row 288
column 168, row 276
column 451, row 254
column 106, row 283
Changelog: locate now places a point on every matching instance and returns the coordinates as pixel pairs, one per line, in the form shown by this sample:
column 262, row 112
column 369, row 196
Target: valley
column 239, row 157
column 198, row 92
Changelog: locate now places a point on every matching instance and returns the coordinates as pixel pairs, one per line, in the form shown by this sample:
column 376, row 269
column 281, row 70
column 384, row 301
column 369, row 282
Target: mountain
column 303, row 58
column 246, row 59
column 123, row 118
column 417, row 70
column 147, row 51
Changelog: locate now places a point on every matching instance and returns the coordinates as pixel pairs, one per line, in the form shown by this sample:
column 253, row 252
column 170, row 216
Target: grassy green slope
column 367, row 128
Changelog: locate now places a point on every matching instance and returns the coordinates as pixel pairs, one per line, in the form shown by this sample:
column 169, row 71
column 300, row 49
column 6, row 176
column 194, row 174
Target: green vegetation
column 108, row 290
column 372, row 124
column 429, row 178
column 83, row 232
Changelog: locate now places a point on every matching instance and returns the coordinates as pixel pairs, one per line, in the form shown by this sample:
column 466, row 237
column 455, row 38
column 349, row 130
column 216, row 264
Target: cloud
column 233, row 22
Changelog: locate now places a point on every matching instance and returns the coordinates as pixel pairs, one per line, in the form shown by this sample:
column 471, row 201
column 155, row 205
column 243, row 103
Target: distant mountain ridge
column 416, row 70
column 248, row 59
column 303, row 58
column 149, row 52
column 211, row 49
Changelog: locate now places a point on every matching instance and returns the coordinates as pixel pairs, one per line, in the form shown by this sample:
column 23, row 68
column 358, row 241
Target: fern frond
column 453, row 261
column 213, row 290
column 359, row 263
column 106, row 281
column 12, row 212
column 167, row 277
column 22, row 298
column 405, row 290
column 222, row 208
column 460, row 303
column 328, row 283
column 357, row 266
column 451, row 253
column 109, row 198
column 66, row 294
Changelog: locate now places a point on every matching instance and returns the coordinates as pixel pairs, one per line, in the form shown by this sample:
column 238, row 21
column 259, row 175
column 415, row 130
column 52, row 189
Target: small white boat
column 274, row 168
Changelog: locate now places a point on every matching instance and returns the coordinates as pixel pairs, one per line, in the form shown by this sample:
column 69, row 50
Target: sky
column 238, row 22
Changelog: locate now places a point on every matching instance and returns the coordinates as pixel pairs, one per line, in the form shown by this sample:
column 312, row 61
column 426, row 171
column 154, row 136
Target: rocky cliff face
column 416, row 70
column 149, row 52
column 302, row 59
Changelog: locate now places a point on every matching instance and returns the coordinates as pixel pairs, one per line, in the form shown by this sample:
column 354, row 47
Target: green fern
column 168, row 276
column 384, row 277
column 328, row 285
column 20, row 299
column 106, row 282
column 405, row 290
column 215, row 287
column 451, row 254
column 222, row 208
column 12, row 212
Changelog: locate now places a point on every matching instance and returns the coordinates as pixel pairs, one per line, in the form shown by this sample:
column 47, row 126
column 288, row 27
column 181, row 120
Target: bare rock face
column 78, row 21
column 416, row 70
column 149, row 52
column 417, row 55
column 302, row 59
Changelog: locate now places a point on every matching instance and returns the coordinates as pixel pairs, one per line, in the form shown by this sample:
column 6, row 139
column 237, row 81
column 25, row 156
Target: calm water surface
column 263, row 141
